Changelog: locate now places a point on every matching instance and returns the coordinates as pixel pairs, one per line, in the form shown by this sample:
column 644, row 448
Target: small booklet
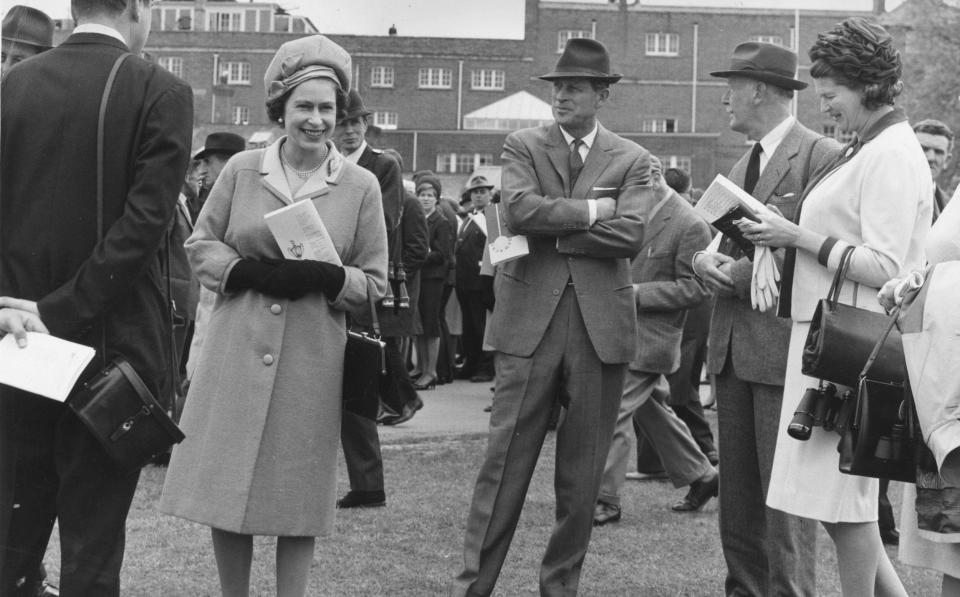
column 48, row 366
column 300, row 233
column 723, row 203
column 503, row 246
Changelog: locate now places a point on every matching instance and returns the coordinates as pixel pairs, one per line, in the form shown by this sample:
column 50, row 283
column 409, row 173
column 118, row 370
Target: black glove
column 250, row 274
column 486, row 292
column 294, row 279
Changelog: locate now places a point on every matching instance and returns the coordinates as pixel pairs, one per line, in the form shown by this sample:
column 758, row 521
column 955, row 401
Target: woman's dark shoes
column 409, row 410
column 363, row 499
column 700, row 493
column 425, row 385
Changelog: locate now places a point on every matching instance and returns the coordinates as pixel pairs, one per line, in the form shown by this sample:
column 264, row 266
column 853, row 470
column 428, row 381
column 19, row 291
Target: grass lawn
column 413, row 546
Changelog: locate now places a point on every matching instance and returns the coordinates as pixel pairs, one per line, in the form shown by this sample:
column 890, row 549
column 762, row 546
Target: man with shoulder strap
column 767, row 552
column 58, row 275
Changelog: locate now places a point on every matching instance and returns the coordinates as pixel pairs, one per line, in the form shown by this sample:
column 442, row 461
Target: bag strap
column 833, row 296
column 100, row 125
column 374, row 320
column 894, row 314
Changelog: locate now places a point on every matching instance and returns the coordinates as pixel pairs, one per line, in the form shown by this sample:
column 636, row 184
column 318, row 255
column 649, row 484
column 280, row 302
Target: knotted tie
column 576, row 162
column 753, row 169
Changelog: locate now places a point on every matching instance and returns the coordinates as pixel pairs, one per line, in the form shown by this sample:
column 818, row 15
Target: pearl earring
column 280, row 120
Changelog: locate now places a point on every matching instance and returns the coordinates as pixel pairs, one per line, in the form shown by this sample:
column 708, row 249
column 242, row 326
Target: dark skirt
column 430, row 293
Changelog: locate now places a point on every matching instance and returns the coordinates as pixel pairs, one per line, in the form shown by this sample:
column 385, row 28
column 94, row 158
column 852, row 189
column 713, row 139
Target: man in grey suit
column 664, row 287
column 564, row 322
column 767, row 552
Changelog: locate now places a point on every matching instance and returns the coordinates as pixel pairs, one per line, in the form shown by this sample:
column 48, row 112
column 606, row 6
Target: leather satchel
column 841, row 338
column 880, row 438
column 364, row 368
column 115, row 405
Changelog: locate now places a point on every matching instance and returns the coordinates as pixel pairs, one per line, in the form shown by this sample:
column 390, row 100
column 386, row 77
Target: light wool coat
column 263, row 414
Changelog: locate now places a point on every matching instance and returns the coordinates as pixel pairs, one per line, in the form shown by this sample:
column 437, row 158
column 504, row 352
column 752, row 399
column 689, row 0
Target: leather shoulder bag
column 364, row 367
column 841, row 337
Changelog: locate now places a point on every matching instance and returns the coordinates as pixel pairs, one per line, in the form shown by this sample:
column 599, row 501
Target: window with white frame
column 385, row 120
column 435, row 78
column 663, row 44
column 683, row 162
column 767, row 39
column 241, row 115
column 174, row 64
column 487, row 78
column 381, row 76
column 226, row 21
column 462, row 163
column 238, row 73
column 659, row 125
column 567, row 34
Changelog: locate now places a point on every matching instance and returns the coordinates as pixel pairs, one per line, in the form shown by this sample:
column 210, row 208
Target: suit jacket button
column 556, row 292
column 268, row 359
column 276, row 309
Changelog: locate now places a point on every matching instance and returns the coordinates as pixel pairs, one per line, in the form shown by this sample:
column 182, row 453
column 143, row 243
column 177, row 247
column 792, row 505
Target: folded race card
column 301, row 234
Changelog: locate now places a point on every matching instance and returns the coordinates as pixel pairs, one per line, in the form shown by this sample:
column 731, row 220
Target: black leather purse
column 880, row 438
column 364, row 368
column 115, row 404
column 841, row 338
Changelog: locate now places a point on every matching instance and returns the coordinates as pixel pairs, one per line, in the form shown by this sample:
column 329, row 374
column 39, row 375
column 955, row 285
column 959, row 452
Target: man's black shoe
column 409, row 410
column 363, row 499
column 700, row 493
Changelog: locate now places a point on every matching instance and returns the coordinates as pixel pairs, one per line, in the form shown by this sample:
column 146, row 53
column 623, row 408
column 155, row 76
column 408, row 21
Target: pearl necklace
column 302, row 174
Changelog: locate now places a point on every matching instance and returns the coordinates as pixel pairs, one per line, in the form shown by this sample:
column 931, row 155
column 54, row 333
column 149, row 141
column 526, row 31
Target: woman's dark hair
column 275, row 107
column 859, row 55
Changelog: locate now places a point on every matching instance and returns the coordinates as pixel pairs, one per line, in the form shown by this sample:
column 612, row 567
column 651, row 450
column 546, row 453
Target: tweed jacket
column 757, row 342
column 664, row 285
column 50, row 252
column 537, row 201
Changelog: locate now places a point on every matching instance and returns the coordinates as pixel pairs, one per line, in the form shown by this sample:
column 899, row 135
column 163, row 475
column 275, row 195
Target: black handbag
column 841, row 338
column 364, row 368
column 115, row 405
column 880, row 437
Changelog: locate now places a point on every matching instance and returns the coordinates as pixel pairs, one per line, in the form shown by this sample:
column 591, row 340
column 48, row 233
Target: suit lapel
column 596, row 162
column 779, row 165
column 559, row 155
column 658, row 218
column 271, row 173
column 366, row 158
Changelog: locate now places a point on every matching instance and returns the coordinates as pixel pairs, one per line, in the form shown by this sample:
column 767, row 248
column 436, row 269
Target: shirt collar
column 354, row 156
column 587, row 139
column 772, row 140
column 102, row 30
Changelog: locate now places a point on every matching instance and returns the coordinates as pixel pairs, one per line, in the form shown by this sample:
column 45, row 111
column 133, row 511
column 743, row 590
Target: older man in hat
column 564, row 325
column 468, row 252
column 26, row 32
column 217, row 150
column 767, row 552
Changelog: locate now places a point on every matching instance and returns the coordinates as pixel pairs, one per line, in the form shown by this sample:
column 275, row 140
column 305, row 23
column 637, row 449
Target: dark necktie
column 753, row 169
column 576, row 162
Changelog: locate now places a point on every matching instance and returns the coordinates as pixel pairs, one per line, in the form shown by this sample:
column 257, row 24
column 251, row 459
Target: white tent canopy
column 517, row 111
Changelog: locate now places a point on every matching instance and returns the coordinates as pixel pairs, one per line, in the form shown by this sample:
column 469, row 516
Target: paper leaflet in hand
column 503, row 246
column 48, row 366
column 301, row 234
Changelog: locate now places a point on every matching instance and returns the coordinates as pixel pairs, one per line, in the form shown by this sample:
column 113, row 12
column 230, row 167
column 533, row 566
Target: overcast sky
column 457, row 18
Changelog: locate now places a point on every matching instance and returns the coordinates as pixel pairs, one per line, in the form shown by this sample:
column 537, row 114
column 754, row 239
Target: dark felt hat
column 26, row 25
column 583, row 58
column 477, row 182
column 222, row 143
column 355, row 107
column 769, row 63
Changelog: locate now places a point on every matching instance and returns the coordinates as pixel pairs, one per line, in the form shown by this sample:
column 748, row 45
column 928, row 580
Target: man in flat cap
column 59, row 273
column 767, row 551
column 26, row 32
column 564, row 324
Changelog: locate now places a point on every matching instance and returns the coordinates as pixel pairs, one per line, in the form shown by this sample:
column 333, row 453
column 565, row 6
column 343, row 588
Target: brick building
column 447, row 104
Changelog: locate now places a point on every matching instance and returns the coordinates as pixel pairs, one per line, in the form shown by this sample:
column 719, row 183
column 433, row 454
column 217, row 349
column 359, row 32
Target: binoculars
column 818, row 407
column 396, row 277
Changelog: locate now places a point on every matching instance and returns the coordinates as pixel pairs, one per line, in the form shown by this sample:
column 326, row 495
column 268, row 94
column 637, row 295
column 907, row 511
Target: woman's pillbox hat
column 307, row 58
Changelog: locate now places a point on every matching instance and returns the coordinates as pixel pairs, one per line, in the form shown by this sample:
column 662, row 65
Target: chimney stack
column 392, row 30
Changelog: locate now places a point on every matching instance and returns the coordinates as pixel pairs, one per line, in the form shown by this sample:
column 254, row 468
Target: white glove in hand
column 764, row 290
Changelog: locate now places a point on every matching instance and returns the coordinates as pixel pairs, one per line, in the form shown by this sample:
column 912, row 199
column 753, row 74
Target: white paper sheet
column 48, row 366
column 301, row 234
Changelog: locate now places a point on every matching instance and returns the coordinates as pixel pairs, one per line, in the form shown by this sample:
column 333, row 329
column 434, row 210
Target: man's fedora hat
column 25, row 25
column 222, row 143
column 477, row 182
column 355, row 107
column 764, row 62
column 583, row 58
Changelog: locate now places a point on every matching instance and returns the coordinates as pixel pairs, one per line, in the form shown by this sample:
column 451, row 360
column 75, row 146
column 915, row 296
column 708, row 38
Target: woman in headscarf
column 263, row 414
